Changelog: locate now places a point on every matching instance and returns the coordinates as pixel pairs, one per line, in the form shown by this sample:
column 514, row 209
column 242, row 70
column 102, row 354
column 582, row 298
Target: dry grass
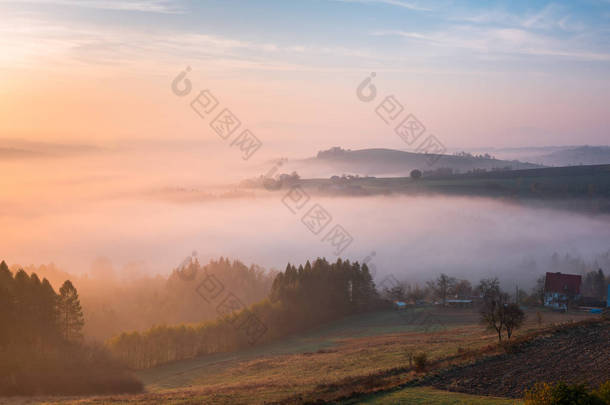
column 370, row 352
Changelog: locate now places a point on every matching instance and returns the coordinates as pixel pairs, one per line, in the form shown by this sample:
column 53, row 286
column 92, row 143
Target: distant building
column 400, row 305
column 560, row 289
column 459, row 303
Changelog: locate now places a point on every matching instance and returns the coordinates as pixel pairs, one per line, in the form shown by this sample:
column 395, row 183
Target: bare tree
column 492, row 309
column 513, row 318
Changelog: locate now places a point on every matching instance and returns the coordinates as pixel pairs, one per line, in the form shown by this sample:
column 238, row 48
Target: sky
column 108, row 95
column 476, row 74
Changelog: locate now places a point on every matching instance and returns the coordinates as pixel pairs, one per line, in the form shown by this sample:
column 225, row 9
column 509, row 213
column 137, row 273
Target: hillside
column 392, row 162
column 577, row 188
column 576, row 355
column 361, row 359
column 583, row 155
column 551, row 155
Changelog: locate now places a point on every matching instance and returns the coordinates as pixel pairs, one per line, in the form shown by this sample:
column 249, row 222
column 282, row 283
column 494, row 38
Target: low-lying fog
column 71, row 211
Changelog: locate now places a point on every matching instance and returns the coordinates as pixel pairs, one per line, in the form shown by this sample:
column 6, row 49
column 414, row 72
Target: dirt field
column 579, row 354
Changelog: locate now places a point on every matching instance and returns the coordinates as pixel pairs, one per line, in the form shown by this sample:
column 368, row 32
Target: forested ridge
column 130, row 297
column 300, row 298
column 41, row 347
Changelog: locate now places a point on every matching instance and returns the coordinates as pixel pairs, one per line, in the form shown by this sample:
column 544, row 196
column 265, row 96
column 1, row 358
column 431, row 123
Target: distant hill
column 18, row 149
column 573, row 155
column 14, row 153
column 390, row 162
column 583, row 155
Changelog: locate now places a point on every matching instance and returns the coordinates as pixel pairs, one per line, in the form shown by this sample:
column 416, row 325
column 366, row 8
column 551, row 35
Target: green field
column 585, row 187
column 367, row 353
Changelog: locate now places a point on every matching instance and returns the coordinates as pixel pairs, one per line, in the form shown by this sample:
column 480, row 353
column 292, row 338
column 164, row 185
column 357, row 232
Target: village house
column 561, row 289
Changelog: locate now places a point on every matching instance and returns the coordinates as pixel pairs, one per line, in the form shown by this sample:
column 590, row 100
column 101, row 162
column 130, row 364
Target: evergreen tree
column 48, row 312
column 7, row 304
column 70, row 312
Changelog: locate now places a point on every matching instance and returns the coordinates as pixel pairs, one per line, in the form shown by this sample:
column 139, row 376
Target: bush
column 603, row 392
column 421, row 362
column 563, row 394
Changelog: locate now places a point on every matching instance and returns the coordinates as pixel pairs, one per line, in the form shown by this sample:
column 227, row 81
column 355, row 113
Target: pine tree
column 7, row 305
column 49, row 316
column 70, row 312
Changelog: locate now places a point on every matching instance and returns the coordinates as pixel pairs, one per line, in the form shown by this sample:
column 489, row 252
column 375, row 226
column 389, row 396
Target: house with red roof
column 561, row 289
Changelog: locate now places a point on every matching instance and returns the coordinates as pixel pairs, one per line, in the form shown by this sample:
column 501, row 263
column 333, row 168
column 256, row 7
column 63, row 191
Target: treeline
column 41, row 350
column 129, row 298
column 594, row 286
column 300, row 297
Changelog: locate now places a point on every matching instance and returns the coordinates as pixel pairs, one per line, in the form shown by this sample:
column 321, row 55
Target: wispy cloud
column 149, row 6
column 397, row 3
column 490, row 40
column 550, row 17
column 27, row 41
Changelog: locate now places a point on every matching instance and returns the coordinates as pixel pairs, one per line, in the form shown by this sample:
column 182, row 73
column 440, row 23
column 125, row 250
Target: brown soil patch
column 576, row 354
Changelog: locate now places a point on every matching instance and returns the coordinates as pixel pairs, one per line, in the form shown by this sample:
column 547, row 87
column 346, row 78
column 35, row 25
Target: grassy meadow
column 368, row 353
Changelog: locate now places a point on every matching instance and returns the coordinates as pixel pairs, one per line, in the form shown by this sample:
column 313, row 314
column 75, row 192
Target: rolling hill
column 390, row 162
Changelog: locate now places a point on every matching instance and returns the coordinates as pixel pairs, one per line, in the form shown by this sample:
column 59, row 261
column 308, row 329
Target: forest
column 117, row 299
column 41, row 342
column 300, row 298
column 197, row 310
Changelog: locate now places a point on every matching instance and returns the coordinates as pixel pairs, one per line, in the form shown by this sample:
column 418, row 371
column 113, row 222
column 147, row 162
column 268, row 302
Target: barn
column 560, row 289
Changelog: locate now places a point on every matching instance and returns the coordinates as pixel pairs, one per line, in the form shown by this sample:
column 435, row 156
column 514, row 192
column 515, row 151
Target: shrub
column 603, row 392
column 562, row 394
column 421, row 362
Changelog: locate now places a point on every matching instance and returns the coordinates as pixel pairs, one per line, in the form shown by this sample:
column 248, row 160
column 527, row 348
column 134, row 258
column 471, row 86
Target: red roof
column 562, row 283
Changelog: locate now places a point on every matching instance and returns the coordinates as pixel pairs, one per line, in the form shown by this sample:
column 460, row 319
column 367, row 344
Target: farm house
column 560, row 289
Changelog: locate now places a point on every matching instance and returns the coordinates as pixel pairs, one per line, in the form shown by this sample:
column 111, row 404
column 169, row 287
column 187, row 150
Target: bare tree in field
column 492, row 309
column 513, row 318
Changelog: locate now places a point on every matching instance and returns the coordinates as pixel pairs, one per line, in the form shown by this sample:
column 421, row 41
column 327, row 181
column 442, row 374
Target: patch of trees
column 595, row 285
column 440, row 172
column 439, row 290
column 332, row 152
column 561, row 393
column 415, row 174
column 474, row 156
column 129, row 298
column 300, row 298
column 41, row 349
column 497, row 312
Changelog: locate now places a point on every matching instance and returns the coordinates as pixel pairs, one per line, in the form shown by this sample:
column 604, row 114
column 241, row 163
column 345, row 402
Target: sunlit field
column 331, row 361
